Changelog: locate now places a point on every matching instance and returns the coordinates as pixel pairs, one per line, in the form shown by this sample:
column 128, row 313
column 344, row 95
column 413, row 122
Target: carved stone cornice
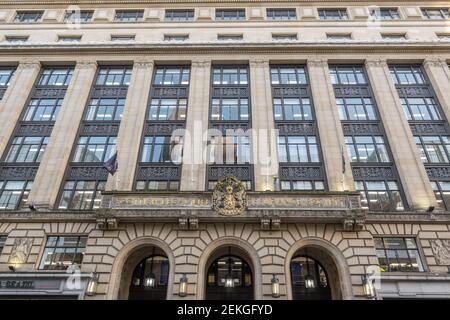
column 102, row 2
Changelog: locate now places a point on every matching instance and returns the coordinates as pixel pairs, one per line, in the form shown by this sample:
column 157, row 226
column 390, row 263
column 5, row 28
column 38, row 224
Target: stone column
column 264, row 143
column 439, row 74
column 193, row 173
column 405, row 154
column 132, row 126
column 51, row 171
column 15, row 98
column 329, row 126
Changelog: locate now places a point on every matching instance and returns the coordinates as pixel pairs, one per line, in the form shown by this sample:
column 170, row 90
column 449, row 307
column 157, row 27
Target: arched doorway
column 309, row 279
column 229, row 277
column 150, row 278
column 326, row 265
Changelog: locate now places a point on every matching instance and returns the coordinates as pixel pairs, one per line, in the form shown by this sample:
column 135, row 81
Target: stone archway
column 331, row 258
column 221, row 247
column 127, row 259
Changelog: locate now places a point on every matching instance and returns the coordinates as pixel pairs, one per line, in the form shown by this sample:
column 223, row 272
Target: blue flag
column 111, row 165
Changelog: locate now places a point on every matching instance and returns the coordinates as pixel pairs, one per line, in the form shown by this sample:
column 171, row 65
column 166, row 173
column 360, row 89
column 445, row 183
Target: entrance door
column 229, row 278
column 150, row 278
column 309, row 280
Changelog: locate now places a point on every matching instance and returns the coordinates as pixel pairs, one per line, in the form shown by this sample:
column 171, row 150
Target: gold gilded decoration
column 229, row 197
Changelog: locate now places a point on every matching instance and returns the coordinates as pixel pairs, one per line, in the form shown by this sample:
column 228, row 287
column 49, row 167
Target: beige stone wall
column 268, row 251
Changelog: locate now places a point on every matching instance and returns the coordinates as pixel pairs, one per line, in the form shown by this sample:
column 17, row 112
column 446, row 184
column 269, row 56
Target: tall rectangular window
column 179, row 15
column 428, row 124
column 281, row 14
column 229, row 147
column 61, row 252
column 82, row 194
column 85, row 177
column 299, row 152
column 6, row 74
column 398, row 255
column 230, row 14
column 14, row 194
column 160, row 161
column 26, row 147
column 374, row 172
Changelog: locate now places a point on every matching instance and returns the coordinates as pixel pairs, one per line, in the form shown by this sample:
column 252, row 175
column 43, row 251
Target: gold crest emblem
column 229, row 197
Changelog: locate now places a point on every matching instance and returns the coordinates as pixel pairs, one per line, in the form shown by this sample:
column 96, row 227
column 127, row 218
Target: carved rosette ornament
column 229, row 197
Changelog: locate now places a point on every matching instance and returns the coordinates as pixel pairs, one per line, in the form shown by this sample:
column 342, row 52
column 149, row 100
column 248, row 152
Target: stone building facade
column 343, row 179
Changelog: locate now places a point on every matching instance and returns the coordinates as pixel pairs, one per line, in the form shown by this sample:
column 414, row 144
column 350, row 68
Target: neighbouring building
column 224, row 149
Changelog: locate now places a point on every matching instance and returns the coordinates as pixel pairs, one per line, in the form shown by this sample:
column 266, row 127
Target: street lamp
column 275, row 287
column 310, row 283
column 183, row 286
column 229, row 280
column 150, row 280
column 91, row 289
column 369, row 290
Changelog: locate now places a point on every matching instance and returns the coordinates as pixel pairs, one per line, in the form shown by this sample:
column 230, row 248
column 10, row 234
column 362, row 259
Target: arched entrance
column 309, row 279
column 229, row 275
column 317, row 270
column 143, row 269
column 150, row 278
column 229, row 278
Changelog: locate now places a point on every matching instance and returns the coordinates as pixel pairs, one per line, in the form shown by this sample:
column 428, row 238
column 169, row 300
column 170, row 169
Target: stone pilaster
column 439, row 74
column 56, row 157
column 193, row 173
column 329, row 126
column 15, row 98
column 132, row 126
column 264, row 143
column 405, row 154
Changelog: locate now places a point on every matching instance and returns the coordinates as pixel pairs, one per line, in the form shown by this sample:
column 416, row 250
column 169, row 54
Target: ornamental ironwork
column 242, row 172
column 229, row 197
